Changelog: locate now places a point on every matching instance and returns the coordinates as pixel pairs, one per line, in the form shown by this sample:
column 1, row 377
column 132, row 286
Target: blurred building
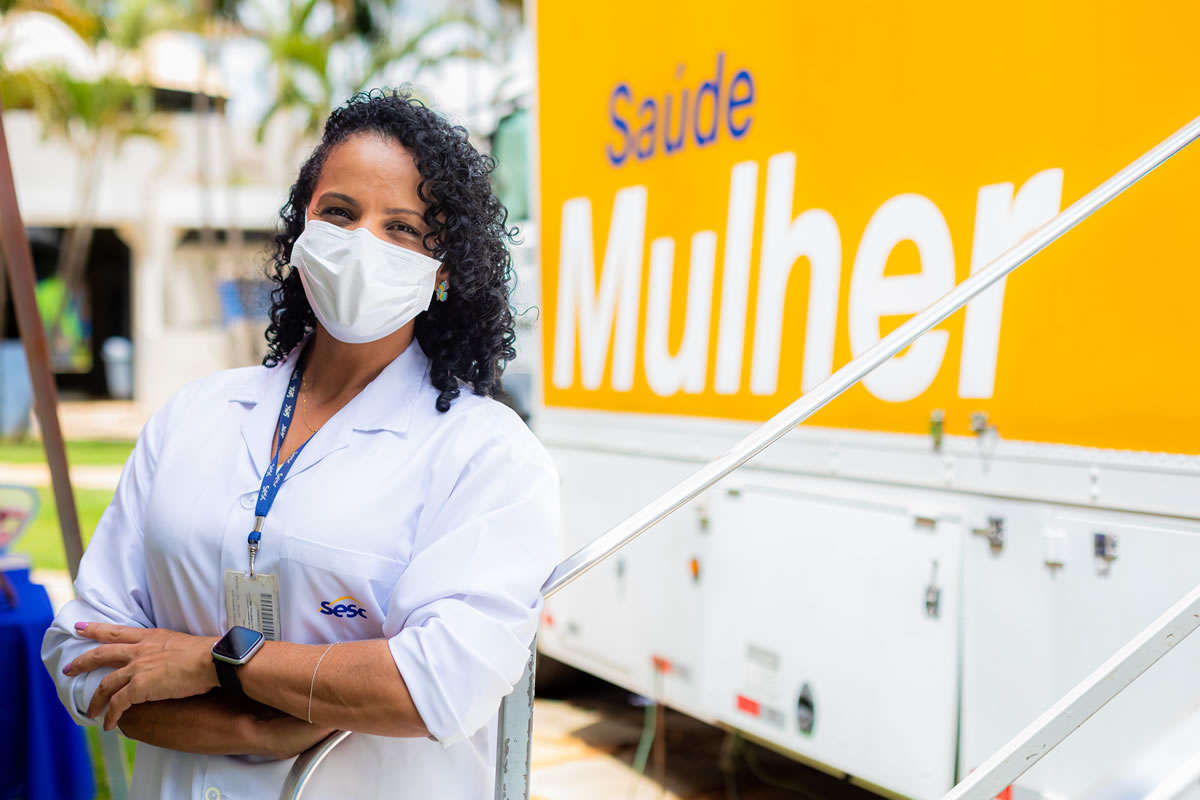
column 184, row 220
column 150, row 208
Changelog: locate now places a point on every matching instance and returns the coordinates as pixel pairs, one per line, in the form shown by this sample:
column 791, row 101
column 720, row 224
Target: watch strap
column 227, row 676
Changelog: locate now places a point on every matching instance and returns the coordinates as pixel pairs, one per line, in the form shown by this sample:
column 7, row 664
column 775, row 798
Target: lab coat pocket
column 331, row 594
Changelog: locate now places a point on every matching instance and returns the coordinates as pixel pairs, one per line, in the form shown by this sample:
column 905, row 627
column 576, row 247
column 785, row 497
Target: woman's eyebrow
column 345, row 198
column 404, row 211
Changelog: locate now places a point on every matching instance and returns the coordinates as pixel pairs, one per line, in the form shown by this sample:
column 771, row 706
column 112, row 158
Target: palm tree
column 94, row 116
column 368, row 38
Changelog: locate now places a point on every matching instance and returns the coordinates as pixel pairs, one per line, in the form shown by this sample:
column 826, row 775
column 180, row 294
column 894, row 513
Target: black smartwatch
column 233, row 650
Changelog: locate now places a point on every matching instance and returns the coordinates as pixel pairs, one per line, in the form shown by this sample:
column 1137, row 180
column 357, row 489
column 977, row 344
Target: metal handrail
column 1075, row 708
column 511, row 785
column 307, row 762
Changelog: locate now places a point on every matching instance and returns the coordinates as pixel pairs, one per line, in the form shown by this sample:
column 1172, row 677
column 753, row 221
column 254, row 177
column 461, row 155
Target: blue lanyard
column 276, row 473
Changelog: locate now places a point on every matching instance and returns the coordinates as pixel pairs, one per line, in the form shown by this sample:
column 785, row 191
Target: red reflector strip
column 1005, row 795
column 746, row 704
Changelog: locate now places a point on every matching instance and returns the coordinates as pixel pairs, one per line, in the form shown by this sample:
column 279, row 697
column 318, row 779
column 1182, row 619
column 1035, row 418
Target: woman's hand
column 151, row 664
column 287, row 737
column 280, row 734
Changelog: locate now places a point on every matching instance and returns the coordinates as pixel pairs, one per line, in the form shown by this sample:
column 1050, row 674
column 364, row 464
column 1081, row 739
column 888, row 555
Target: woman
column 391, row 545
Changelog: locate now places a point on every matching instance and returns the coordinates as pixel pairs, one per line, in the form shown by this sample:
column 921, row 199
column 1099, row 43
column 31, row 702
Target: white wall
column 150, row 192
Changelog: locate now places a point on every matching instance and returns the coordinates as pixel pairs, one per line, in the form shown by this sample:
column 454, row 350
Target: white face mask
column 360, row 287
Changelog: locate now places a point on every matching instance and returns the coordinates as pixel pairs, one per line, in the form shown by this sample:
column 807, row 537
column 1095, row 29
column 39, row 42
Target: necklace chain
column 304, row 405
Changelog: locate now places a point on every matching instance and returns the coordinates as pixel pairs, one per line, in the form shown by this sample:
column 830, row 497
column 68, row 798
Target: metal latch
column 1054, row 540
column 994, row 532
column 1105, row 547
column 979, row 423
column 806, row 712
column 933, row 595
column 986, row 434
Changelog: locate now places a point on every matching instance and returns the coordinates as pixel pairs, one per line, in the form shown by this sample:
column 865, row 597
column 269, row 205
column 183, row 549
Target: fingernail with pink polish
column 80, row 626
column 67, row 668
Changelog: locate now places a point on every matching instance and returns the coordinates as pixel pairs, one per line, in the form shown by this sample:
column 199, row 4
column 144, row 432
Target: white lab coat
column 441, row 526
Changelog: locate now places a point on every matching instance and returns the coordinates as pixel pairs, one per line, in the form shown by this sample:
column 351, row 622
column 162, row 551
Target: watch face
column 238, row 644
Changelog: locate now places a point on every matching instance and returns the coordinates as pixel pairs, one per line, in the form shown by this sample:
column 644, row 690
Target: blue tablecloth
column 43, row 753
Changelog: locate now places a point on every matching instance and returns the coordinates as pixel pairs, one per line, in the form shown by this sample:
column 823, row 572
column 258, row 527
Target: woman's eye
column 403, row 228
column 336, row 212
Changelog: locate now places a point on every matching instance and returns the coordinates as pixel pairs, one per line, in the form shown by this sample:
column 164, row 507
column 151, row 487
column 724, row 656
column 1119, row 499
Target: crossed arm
column 219, row 724
column 161, row 692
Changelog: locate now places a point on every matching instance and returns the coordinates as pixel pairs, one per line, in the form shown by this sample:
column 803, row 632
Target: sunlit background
column 899, row 585
column 154, row 142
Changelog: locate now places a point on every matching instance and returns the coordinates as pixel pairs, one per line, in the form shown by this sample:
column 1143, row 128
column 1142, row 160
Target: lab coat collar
column 385, row 404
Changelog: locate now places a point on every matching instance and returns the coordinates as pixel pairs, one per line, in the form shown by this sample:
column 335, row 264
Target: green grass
column 93, row 739
column 43, row 540
column 30, row 451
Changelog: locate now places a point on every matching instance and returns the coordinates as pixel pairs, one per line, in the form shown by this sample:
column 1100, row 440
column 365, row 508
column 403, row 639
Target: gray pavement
column 99, row 420
column 83, row 476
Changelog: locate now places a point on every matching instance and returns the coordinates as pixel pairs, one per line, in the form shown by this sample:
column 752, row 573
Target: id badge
column 253, row 602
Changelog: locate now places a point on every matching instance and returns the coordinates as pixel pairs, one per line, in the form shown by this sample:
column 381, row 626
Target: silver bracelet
column 314, row 680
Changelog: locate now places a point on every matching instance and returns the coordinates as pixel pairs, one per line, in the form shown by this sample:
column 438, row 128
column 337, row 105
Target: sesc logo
column 335, row 608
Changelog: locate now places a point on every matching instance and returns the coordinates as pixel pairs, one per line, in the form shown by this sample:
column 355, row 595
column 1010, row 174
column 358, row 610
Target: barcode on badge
column 266, row 608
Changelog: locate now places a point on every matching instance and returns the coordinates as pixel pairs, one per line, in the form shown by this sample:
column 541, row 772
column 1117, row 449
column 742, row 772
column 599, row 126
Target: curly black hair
column 470, row 336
